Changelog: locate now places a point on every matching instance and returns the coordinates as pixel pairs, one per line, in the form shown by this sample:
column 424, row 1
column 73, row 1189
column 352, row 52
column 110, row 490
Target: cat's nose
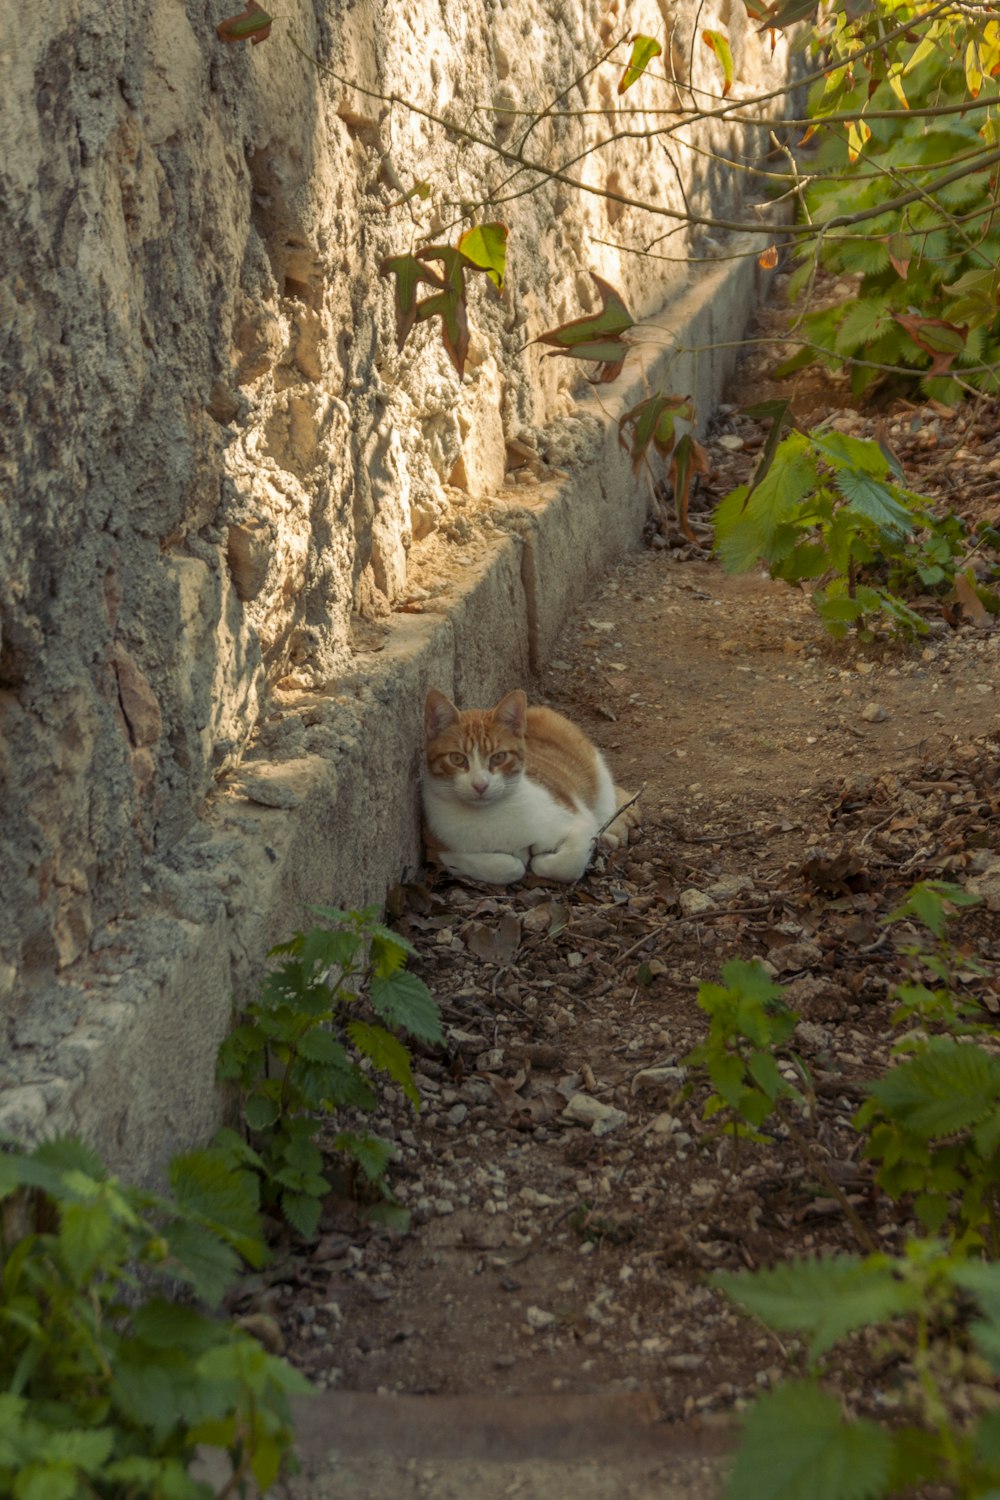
column 479, row 786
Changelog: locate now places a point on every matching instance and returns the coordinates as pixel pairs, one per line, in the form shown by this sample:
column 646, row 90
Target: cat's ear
column 512, row 712
column 439, row 714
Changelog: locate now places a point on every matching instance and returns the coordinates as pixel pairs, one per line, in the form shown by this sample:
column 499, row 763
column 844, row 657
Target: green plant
column 907, row 121
column 933, row 1120
column 826, row 506
column 109, row 1385
column 930, row 903
column 290, row 1058
column 748, row 1022
column 933, row 1124
column 799, row 1442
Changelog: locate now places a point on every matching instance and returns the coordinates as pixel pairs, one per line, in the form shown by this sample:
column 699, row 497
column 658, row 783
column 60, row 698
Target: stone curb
column 121, row 1047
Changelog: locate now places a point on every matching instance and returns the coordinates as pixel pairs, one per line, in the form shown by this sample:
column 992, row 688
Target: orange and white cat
column 513, row 788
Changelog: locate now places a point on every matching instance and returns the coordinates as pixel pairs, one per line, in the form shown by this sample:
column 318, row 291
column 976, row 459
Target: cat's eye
column 459, row 760
column 497, row 759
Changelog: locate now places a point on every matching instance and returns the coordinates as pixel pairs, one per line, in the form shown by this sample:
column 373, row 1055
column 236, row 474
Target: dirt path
column 551, row 1308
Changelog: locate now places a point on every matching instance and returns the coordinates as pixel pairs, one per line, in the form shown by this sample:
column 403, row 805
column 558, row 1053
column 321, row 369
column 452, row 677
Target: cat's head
column 475, row 754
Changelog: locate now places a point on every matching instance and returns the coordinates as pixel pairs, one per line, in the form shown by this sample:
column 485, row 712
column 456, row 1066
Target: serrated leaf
column 85, row 1231
column 372, row 1154
column 208, row 1186
column 200, row 1258
column 826, row 1299
column 320, row 1047
column 864, row 321
column 874, row 501
column 796, row 1446
column 322, row 948
column 302, row 1213
column 403, row 1000
column 781, row 416
column 644, row 49
column 949, row 1088
column 86, row 1450
column 260, row 1112
column 387, row 1054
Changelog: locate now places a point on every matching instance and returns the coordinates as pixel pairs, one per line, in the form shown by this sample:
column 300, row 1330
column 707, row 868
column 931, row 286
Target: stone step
column 357, row 1446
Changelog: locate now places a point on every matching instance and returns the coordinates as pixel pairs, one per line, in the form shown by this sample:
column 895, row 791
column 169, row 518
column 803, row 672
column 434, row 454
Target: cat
column 513, row 788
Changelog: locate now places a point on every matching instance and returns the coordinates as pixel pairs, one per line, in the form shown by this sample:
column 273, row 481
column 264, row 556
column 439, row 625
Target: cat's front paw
column 495, row 869
column 566, row 863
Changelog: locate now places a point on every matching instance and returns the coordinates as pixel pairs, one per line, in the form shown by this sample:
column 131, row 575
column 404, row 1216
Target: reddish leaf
column 598, row 336
column 780, row 16
column 252, row 24
column 409, row 272
column 899, row 253
column 652, row 423
column 689, row 459
column 943, row 341
column 969, row 600
column 450, row 307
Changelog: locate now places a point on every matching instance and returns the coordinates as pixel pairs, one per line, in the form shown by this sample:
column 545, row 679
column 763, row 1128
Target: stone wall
column 218, row 477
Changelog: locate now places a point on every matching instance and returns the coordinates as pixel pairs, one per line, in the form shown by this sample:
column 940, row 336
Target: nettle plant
column 109, row 1382
column 937, row 1318
column 308, row 1047
column 932, row 1125
column 831, row 509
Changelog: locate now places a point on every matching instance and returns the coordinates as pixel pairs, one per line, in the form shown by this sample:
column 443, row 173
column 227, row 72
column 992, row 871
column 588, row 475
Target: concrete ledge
column 121, row 1046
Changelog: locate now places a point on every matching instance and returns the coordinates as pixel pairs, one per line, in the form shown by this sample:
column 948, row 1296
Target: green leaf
column 644, row 49
column 200, row 1258
column 372, row 1154
column 864, row 321
column 260, row 1112
column 34, row 1483
column 874, row 501
column 947, row 1089
column 825, row 1298
column 223, row 1197
column 86, row 1450
column 764, row 1071
column 85, row 1231
column 485, row 247
column 718, row 43
column 387, row 1053
column 450, row 307
column 321, row 949
column 797, row 1446
column 403, row 1000
column 302, row 1212
column 320, row 1047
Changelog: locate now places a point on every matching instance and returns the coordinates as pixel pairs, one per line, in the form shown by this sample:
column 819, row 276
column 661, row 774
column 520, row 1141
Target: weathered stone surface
column 215, row 459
